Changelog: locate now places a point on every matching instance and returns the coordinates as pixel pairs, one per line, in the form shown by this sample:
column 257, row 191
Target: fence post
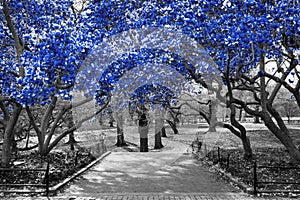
column 254, row 178
column 47, row 178
column 199, row 145
column 219, row 155
column 76, row 158
column 205, row 150
column 227, row 164
column 192, row 146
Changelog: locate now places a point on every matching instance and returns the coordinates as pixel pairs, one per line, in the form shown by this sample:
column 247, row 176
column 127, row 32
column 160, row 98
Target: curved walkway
column 170, row 174
column 165, row 172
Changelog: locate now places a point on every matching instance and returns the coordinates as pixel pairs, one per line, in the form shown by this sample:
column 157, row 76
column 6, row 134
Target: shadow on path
column 152, row 172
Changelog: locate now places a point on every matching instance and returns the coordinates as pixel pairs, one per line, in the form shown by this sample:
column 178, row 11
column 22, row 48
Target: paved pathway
column 166, row 175
column 155, row 196
column 152, row 172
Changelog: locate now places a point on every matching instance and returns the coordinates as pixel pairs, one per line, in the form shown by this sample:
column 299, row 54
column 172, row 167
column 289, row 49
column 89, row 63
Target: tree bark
column 143, row 138
column 70, row 122
column 111, row 121
column 120, row 131
column 163, row 132
column 45, row 143
column 212, row 116
column 158, row 143
column 248, row 155
column 256, row 118
column 100, row 120
column 173, row 126
column 143, row 130
column 159, row 123
column 240, row 115
column 284, row 137
column 242, row 133
column 120, row 137
column 281, row 132
column 72, row 141
column 144, row 145
column 8, row 136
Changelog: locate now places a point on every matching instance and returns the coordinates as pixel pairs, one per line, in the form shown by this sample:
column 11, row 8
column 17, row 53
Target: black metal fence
column 258, row 182
column 223, row 159
column 215, row 154
column 44, row 183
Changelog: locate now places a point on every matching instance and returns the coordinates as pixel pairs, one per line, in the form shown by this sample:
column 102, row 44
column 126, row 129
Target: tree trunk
column 163, row 132
column 8, row 137
column 248, row 155
column 173, row 126
column 120, row 140
column 242, row 133
column 120, row 137
column 282, row 133
column 44, row 151
column 120, row 131
column 143, row 138
column 143, row 130
column 159, row 123
column 289, row 119
column 144, row 145
column 256, row 118
column 158, row 144
column 111, row 121
column 100, row 120
column 240, row 115
column 212, row 116
column 72, row 141
column 285, row 139
column 70, row 124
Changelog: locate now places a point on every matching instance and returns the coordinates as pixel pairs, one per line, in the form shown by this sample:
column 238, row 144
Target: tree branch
column 5, row 111
column 76, row 126
column 35, row 126
column 19, row 48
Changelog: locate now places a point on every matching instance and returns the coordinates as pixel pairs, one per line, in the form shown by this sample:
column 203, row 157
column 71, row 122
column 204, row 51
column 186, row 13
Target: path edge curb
column 244, row 187
column 55, row 188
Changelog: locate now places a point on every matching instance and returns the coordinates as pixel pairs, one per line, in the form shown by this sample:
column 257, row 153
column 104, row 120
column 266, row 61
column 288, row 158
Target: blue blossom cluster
column 140, row 57
column 236, row 30
column 58, row 39
column 151, row 94
column 51, row 56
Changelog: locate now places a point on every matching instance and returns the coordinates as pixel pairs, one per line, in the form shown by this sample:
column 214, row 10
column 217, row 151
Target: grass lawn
column 267, row 150
column 63, row 161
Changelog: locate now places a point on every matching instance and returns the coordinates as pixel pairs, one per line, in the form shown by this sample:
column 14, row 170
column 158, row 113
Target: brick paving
column 155, row 196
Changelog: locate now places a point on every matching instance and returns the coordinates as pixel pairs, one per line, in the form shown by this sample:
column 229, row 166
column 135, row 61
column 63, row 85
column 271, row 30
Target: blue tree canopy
column 223, row 27
column 52, row 52
column 149, row 95
column 122, row 53
column 118, row 68
column 56, row 39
